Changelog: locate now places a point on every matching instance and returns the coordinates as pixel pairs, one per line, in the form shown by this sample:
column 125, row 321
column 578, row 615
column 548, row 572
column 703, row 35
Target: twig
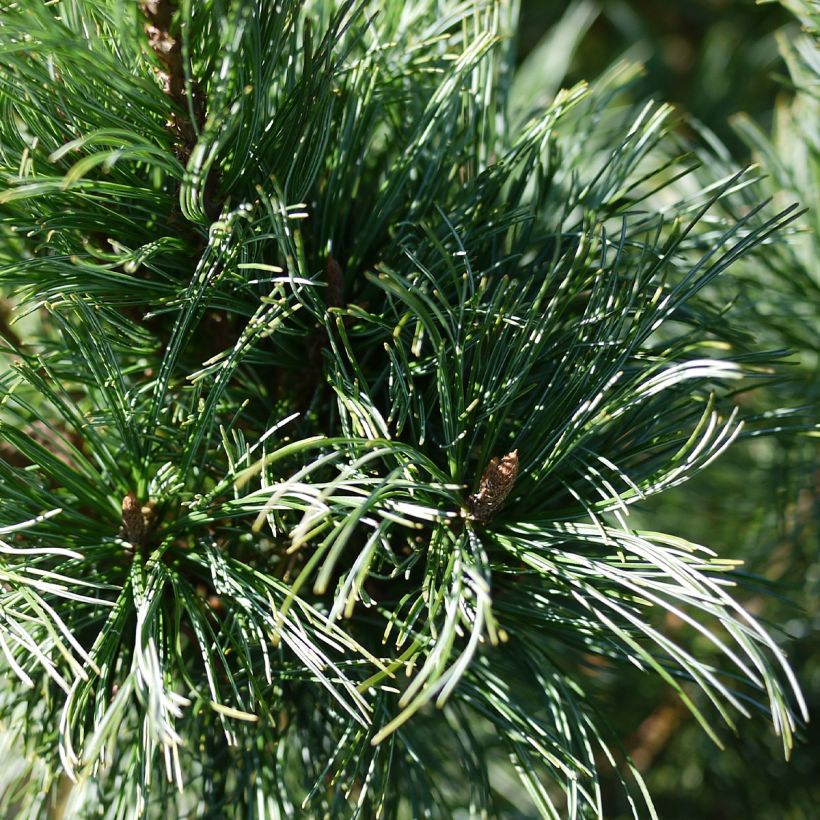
column 168, row 50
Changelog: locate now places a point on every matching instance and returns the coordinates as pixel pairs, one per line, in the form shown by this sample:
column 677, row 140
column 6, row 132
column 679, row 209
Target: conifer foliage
column 333, row 363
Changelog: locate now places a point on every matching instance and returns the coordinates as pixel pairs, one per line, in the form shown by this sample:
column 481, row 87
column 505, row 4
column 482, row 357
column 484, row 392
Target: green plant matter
column 769, row 483
column 759, row 503
column 335, row 367
column 712, row 58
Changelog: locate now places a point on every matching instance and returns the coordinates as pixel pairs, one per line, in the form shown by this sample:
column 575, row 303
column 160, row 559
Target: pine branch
column 247, row 569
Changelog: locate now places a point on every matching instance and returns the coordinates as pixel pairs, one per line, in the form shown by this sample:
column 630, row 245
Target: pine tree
column 334, row 360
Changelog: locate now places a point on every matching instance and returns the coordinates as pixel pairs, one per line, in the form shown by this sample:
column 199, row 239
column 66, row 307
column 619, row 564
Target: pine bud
column 133, row 520
column 494, row 487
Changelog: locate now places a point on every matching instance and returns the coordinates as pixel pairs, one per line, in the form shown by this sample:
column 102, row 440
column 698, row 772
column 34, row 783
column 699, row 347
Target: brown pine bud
column 494, row 487
column 133, row 520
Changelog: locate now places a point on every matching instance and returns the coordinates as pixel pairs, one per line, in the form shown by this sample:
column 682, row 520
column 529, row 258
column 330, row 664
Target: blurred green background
column 712, row 58
column 749, row 75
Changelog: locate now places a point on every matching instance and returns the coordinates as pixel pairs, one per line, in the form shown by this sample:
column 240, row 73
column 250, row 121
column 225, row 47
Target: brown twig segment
column 168, row 50
column 495, row 485
column 335, row 283
column 655, row 733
